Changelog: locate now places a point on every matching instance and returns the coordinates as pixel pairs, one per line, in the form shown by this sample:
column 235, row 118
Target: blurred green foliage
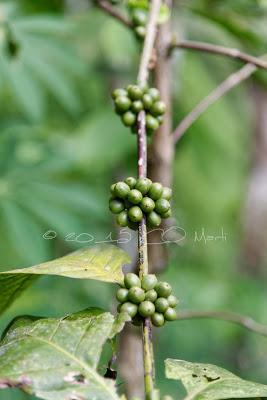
column 61, row 146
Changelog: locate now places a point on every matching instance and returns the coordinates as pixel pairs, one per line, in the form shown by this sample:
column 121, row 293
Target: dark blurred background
column 61, row 146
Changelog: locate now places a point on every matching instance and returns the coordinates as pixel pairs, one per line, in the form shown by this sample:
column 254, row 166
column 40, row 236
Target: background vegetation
column 61, row 146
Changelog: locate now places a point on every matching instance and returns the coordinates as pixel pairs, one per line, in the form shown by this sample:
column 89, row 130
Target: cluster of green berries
column 133, row 99
column 146, row 297
column 133, row 199
column 139, row 18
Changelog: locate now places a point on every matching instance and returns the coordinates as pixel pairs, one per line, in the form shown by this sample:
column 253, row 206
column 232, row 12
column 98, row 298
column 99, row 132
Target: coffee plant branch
column 239, row 319
column 229, row 83
column 112, row 11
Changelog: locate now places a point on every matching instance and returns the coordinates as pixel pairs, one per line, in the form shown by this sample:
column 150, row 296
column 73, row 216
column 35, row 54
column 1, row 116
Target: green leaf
column 209, row 382
column 119, row 323
column 102, row 263
column 56, row 359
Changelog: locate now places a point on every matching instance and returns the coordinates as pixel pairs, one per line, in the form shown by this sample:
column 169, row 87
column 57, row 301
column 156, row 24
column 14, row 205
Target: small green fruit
column 154, row 93
column 130, row 182
column 155, row 191
column 112, row 187
column 122, row 104
column 163, row 289
column 135, row 196
column 151, row 295
column 158, row 108
column 160, row 119
column 122, row 295
column 166, row 193
column 136, row 295
column 121, row 190
column 128, row 118
column 146, row 309
column 139, row 17
column 167, row 214
column 131, row 280
column 137, row 106
column 135, row 92
column 140, row 31
column 135, row 214
column 151, row 122
column 161, row 304
column 162, row 206
column 170, row 314
column 149, row 281
column 143, row 185
column 153, row 219
column 129, row 308
column 172, row 300
column 122, row 219
column 147, row 204
column 118, row 93
column 157, row 319
column 116, row 206
column 147, row 101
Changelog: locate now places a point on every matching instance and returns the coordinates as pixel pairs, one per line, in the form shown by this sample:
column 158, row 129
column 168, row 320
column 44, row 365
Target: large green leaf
column 102, row 263
column 57, row 359
column 209, row 382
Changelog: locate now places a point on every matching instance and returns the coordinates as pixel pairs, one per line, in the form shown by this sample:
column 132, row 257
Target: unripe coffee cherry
column 148, row 282
column 135, row 214
column 122, row 219
column 140, row 31
column 151, row 122
column 130, row 182
column 112, row 187
column 147, row 101
column 139, row 17
column 135, row 196
column 161, row 304
column 172, row 300
column 163, row 289
column 170, row 314
column 166, row 193
column 158, row 108
column 122, row 295
column 143, row 185
column 137, row 106
column 147, row 204
column 153, row 219
column 151, row 295
column 129, row 308
column 135, row 93
column 167, row 214
column 154, row 93
column 116, row 206
column 122, row 104
column 157, row 319
column 121, row 190
column 136, row 295
column 155, row 191
column 160, row 119
column 118, row 93
column 162, row 206
column 146, row 309
column 131, row 280
column 128, row 118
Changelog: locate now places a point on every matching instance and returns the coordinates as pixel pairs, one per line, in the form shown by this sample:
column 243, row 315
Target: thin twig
column 229, row 316
column 232, row 81
column 219, row 50
column 109, row 9
column 143, row 73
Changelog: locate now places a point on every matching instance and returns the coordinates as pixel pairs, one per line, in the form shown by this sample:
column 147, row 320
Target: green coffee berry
column 155, row 191
column 147, row 204
column 162, row 206
column 163, row 289
column 116, row 206
column 151, row 295
column 130, row 182
column 136, row 295
column 151, row 122
column 135, row 196
column 121, row 190
column 137, row 106
column 128, row 118
column 167, row 214
column 122, row 219
column 135, row 214
column 140, row 31
column 158, row 108
column 143, row 87
column 153, row 219
column 143, row 185
column 122, row 104
column 166, row 193
column 149, row 281
column 160, row 119
column 118, row 93
column 146, row 309
column 154, row 93
column 122, row 295
column 161, row 304
column 131, row 280
column 129, row 308
column 112, row 187
column 170, row 314
column 135, row 92
column 139, row 17
column 147, row 101
column 172, row 300
column 157, row 319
